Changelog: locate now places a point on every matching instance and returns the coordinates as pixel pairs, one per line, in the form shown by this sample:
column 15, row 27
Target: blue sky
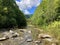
column 28, row 6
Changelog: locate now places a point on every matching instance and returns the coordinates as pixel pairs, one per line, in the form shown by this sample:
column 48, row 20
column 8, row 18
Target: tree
column 10, row 15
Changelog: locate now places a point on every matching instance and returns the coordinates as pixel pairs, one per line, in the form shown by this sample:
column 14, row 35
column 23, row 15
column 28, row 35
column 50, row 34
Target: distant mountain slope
column 28, row 16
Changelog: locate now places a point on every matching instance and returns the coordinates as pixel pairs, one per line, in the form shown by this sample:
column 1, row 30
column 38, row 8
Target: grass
column 53, row 29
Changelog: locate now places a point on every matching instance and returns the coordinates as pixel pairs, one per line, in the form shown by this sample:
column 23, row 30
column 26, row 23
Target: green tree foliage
column 10, row 15
column 48, row 11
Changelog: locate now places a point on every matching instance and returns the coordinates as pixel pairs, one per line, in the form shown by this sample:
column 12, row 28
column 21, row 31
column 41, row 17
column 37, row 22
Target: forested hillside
column 47, row 17
column 48, row 11
column 10, row 15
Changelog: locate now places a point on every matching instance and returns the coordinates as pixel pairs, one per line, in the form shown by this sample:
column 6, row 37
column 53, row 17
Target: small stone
column 17, row 34
column 29, row 32
column 37, row 41
column 12, row 32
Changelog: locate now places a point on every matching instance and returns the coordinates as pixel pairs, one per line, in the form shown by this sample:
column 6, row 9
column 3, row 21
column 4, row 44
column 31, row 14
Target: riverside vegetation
column 47, row 17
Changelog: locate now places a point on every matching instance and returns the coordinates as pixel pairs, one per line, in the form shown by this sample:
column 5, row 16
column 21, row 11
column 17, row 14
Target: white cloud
column 27, row 4
column 26, row 12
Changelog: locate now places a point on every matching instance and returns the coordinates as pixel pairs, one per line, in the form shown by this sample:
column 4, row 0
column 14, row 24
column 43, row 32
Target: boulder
column 44, row 36
column 11, row 34
column 15, row 35
column 3, row 38
column 46, row 39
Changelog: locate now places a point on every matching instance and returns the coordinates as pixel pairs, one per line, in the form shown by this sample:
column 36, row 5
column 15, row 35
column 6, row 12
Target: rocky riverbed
column 28, row 36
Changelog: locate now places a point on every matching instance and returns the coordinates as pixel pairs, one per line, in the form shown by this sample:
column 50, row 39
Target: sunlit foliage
column 48, row 11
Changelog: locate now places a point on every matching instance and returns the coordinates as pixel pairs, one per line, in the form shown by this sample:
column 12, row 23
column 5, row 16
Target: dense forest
column 10, row 15
column 47, row 12
column 47, row 17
